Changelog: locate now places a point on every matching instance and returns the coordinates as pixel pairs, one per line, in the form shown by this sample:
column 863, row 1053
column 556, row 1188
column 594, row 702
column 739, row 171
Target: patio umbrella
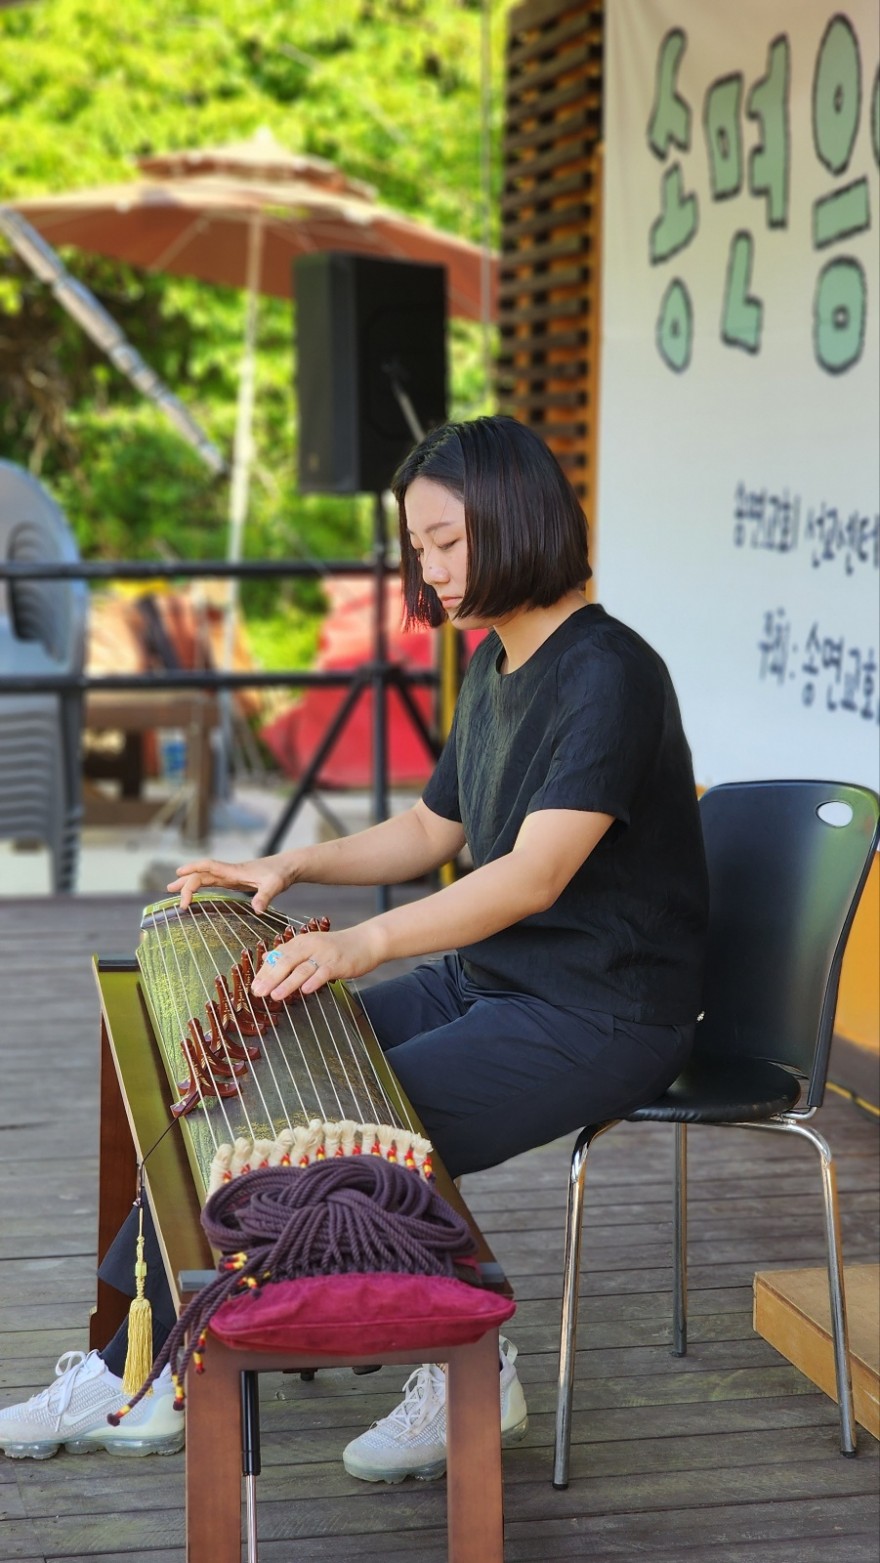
column 192, row 213
column 239, row 215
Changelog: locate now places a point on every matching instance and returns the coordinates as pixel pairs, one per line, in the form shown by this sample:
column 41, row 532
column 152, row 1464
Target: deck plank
column 725, row 1457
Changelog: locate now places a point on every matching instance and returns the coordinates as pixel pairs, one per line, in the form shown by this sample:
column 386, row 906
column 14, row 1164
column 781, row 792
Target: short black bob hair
column 526, row 531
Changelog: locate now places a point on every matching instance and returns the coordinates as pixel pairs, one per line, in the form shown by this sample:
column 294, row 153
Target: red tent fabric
column 346, row 643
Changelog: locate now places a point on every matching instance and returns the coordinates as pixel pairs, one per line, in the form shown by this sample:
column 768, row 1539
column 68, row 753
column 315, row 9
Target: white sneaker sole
column 171, row 1444
column 424, row 1473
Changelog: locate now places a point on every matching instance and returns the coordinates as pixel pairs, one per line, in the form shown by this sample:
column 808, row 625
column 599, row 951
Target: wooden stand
column 134, row 1115
column 792, row 1312
column 213, row 1449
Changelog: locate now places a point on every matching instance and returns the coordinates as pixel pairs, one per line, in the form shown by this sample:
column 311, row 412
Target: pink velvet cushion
column 353, row 1314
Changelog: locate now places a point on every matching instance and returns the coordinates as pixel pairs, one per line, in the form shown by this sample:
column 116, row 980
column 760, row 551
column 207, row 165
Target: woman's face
column 436, row 526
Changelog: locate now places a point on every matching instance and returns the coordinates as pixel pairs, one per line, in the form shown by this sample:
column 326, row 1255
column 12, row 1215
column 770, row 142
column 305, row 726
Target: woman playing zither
column 572, row 992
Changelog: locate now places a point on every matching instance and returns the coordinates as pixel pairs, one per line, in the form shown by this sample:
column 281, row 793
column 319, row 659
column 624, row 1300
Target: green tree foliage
column 388, row 89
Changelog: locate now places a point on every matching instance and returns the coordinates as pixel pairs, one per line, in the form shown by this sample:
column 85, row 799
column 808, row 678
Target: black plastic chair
column 787, row 864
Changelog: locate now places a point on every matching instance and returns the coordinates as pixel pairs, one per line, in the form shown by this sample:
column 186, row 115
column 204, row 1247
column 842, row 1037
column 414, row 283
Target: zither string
column 344, row 1018
column 347, row 1025
column 225, row 915
column 184, row 928
column 196, row 922
column 243, row 937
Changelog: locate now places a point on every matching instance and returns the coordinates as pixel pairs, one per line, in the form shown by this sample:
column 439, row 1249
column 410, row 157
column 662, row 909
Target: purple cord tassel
column 354, row 1214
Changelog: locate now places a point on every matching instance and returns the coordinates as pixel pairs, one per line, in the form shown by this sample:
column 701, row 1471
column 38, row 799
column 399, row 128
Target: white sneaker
column 412, row 1440
column 72, row 1414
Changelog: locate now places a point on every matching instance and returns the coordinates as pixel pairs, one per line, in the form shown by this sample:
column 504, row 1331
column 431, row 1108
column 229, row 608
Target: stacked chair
column 42, row 631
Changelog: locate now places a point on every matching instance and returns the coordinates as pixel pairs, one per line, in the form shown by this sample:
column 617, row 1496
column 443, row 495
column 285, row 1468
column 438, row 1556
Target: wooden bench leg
column 475, row 1514
column 117, row 1180
column 213, row 1460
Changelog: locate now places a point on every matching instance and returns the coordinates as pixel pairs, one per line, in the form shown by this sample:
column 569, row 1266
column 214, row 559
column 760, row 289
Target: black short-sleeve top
column 589, row 722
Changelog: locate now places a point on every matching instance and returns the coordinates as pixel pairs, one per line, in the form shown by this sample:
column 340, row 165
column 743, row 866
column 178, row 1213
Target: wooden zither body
column 319, row 1083
column 146, row 1070
column 256, row 1082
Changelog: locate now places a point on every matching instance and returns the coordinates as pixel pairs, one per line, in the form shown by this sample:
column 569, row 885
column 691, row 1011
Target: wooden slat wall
column 550, row 234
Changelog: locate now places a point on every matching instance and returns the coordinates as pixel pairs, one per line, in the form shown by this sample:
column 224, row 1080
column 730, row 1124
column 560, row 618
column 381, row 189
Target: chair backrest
column 33, row 528
column 787, row 864
column 43, row 629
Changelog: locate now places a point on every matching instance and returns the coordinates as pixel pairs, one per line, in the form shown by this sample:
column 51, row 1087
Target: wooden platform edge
column 792, row 1313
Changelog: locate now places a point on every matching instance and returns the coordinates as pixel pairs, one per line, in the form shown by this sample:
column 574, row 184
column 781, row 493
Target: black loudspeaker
column 371, row 335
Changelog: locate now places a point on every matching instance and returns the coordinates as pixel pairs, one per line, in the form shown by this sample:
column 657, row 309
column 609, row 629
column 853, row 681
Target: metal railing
column 192, row 678
column 377, row 675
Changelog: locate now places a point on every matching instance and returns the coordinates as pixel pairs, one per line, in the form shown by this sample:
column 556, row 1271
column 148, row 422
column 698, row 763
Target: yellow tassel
column 139, row 1358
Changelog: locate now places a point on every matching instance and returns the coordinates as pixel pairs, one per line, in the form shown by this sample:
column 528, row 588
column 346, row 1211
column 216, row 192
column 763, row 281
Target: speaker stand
column 378, row 676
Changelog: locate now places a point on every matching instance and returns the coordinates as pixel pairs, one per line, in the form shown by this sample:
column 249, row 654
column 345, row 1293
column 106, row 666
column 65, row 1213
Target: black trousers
column 491, row 1074
column 117, row 1269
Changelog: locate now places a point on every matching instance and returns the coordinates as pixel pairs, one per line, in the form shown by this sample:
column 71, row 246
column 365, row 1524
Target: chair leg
column 836, row 1292
column 250, row 1454
column 679, row 1242
column 570, row 1292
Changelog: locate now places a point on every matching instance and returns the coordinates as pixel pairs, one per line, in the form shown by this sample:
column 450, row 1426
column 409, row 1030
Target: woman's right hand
column 266, row 876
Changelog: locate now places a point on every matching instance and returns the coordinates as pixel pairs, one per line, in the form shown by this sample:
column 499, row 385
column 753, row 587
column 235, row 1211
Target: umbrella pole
column 239, row 488
column 82, row 306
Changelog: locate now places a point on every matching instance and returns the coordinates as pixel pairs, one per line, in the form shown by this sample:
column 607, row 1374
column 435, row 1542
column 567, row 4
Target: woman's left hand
column 309, row 960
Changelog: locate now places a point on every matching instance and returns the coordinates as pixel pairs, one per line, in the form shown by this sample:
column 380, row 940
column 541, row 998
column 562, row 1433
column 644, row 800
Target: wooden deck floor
column 727, row 1457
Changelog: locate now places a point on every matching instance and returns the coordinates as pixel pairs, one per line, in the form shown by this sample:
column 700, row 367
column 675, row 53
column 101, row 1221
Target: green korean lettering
column 770, row 160
column 837, row 95
column 839, row 314
column 677, row 223
column 670, row 122
column 841, row 214
column 742, row 315
column 721, row 122
column 675, row 326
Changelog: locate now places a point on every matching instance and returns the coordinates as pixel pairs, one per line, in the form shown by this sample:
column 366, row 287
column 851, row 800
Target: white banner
column 738, row 521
